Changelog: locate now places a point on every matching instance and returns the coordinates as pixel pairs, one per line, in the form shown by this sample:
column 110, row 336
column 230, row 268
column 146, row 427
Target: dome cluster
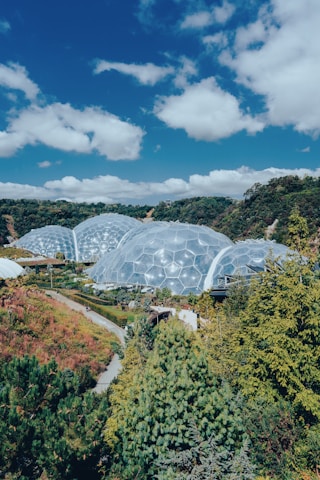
column 182, row 257
column 87, row 242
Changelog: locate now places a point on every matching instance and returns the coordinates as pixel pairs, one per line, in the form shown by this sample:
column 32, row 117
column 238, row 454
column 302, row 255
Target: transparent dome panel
column 190, row 276
column 10, row 269
column 245, row 258
column 49, row 241
column 101, row 234
column 159, row 253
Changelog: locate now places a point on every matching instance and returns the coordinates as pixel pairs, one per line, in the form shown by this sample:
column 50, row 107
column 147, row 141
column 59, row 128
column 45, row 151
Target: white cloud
column 305, row 150
column 44, row 164
column 278, row 57
column 17, row 191
column 204, row 18
column 147, row 74
column 219, row 40
column 144, row 11
column 62, row 127
column 15, row 77
column 4, row 26
column 234, row 183
column 197, row 20
column 224, row 13
column 110, row 189
column 185, row 71
column 205, row 112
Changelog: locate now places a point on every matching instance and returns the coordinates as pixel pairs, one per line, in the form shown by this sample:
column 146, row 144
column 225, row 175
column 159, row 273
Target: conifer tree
column 279, row 342
column 175, row 388
column 47, row 427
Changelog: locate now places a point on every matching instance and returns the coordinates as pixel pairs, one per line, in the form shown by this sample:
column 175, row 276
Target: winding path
column 114, row 366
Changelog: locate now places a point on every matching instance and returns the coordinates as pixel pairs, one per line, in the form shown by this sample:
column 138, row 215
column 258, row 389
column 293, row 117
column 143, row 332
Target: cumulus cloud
column 15, row 77
column 205, row 112
column 147, row 74
column 62, row 127
column 110, row 189
column 234, row 183
column 204, row 18
column 278, row 57
column 17, row 191
column 4, row 26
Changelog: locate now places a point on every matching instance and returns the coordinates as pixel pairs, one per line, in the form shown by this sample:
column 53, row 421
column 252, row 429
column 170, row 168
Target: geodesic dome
column 101, row 234
column 244, row 259
column 48, row 241
column 10, row 269
column 162, row 254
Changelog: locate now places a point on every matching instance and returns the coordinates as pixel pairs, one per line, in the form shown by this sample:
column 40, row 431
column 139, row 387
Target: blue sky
column 137, row 101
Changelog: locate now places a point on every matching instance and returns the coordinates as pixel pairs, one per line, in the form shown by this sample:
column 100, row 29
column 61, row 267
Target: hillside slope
column 239, row 219
column 31, row 323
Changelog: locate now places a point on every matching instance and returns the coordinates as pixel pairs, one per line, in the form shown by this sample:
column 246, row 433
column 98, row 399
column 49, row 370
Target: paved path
column 114, row 366
column 108, row 375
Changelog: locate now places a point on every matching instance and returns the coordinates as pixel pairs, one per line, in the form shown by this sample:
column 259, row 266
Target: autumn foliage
column 31, row 323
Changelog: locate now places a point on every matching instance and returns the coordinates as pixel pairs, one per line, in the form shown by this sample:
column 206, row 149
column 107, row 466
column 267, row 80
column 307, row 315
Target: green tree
column 46, row 425
column 298, row 232
column 163, row 294
column 279, row 338
column 174, row 389
column 205, row 306
column 204, row 460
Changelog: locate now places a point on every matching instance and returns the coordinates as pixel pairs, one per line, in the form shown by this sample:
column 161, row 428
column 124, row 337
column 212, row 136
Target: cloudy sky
column 137, row 101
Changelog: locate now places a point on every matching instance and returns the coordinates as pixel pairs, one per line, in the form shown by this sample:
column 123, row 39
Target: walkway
column 114, row 366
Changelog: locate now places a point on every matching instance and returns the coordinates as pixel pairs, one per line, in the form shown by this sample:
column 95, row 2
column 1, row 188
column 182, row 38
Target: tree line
column 239, row 219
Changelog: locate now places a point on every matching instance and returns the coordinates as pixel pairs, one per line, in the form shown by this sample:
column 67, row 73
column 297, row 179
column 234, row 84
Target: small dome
column 48, row 241
column 101, row 234
column 10, row 269
column 162, row 254
column 243, row 258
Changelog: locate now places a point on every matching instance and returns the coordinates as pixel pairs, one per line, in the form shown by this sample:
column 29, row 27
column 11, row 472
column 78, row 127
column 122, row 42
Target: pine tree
column 175, row 388
column 46, row 425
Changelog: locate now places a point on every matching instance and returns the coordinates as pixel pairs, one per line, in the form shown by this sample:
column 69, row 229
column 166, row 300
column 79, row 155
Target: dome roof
column 48, row 241
column 243, row 258
column 162, row 254
column 101, row 234
column 87, row 242
column 10, row 269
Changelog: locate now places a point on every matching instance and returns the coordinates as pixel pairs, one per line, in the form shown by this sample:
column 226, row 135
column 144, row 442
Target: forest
column 239, row 219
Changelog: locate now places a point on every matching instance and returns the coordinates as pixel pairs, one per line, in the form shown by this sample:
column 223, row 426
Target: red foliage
column 33, row 324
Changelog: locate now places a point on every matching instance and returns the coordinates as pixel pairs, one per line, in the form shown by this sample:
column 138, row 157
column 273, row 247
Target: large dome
column 244, row 259
column 101, row 234
column 48, row 241
column 163, row 254
column 10, row 269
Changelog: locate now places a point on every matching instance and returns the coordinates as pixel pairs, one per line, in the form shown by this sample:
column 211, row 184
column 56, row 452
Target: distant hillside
column 18, row 217
column 198, row 210
column 263, row 206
